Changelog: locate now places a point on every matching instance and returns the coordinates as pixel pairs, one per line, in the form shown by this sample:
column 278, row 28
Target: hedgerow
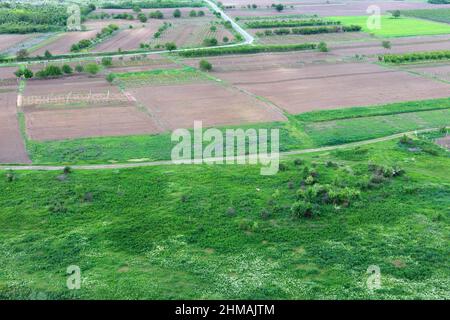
column 417, row 56
column 289, row 23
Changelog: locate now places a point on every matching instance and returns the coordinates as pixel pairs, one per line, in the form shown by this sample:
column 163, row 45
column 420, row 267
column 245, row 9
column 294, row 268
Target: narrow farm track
column 208, row 160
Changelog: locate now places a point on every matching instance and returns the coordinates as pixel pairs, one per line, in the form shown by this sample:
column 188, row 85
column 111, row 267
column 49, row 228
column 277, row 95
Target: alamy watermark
column 374, row 279
column 74, row 277
column 233, row 146
column 74, row 19
column 374, row 19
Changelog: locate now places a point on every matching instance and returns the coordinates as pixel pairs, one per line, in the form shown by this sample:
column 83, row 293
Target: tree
column 142, row 17
column 200, row 13
column 107, row 61
column 386, row 44
column 205, row 65
column 193, row 13
column 156, row 15
column 177, row 13
column 22, row 54
column 92, row 68
column 67, row 69
column 170, row 46
column 225, row 39
column 210, row 42
column 213, row 28
column 396, row 13
column 137, row 9
column 47, row 54
column 322, row 47
column 24, row 72
column 279, row 7
column 110, row 77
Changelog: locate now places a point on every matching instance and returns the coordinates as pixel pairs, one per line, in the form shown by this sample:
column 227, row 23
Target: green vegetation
column 50, row 71
column 152, row 4
column 156, row 15
column 102, row 35
column 159, row 76
column 91, row 68
column 247, row 49
column 322, row 47
column 397, row 27
column 261, row 24
column 177, row 13
column 439, row 15
column 415, row 57
column 308, row 30
column 195, row 232
column 307, row 130
column 205, row 65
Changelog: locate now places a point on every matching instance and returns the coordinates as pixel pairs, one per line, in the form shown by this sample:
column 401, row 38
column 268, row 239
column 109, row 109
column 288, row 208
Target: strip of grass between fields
column 310, row 130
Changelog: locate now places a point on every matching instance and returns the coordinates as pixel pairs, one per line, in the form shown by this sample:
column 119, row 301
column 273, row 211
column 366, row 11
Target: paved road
column 169, row 162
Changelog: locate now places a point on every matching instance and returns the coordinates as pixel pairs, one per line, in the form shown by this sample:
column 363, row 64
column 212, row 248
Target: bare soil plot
column 7, row 73
column 329, row 86
column 151, row 62
column 87, row 122
column 322, row 8
column 178, row 106
column 327, row 37
column 400, row 45
column 62, row 43
column 11, row 40
column 263, row 61
column 438, row 71
column 75, row 84
column 445, row 142
column 129, row 39
column 12, row 148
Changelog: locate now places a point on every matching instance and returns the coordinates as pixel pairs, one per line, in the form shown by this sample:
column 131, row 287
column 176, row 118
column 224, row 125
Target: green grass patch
column 439, row 15
column 160, row 76
column 350, row 130
column 226, row 232
column 397, row 27
column 378, row 110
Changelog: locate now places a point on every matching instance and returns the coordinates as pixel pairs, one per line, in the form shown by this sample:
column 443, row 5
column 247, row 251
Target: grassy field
column 307, row 130
column 227, row 232
column 398, row 27
column 440, row 15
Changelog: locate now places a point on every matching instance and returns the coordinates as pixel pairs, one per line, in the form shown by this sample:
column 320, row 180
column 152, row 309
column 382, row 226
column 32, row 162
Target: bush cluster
column 417, row 56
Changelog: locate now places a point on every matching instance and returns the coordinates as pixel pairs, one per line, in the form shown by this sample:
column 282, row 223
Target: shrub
column 110, row 77
column 386, row 44
column 107, row 61
column 67, row 170
column 156, row 15
column 50, row 71
column 200, row 13
column 205, row 65
column 213, row 28
column 225, row 39
column 170, row 46
column 177, row 13
column 47, row 54
column 210, row 42
column 142, row 17
column 302, row 209
column 67, row 69
column 24, row 72
column 92, row 68
column 396, row 13
column 79, row 68
column 22, row 54
column 193, row 13
column 322, row 47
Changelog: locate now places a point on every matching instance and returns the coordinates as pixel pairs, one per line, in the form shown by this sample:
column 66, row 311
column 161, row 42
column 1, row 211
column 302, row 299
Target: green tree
column 322, row 47
column 396, row 13
column 279, row 7
column 205, row 65
column 67, row 69
column 142, row 17
column 225, row 39
column 177, row 13
column 92, row 68
column 47, row 54
column 193, row 14
column 386, row 44
column 79, row 68
column 107, row 61
column 110, row 77
column 170, row 46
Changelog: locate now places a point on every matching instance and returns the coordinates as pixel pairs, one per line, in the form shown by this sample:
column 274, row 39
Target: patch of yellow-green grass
column 397, row 27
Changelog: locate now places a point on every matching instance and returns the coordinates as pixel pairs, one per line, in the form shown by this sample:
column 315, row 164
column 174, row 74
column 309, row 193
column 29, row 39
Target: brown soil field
column 327, row 37
column 178, row 106
column 12, row 148
column 129, row 39
column 400, row 45
column 329, row 86
column 322, row 8
column 74, row 84
column 87, row 122
column 438, row 71
column 7, row 73
column 10, row 40
column 61, row 44
column 263, row 61
column 445, row 142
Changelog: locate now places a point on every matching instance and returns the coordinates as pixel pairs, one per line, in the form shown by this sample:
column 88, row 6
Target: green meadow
column 226, row 232
column 397, row 27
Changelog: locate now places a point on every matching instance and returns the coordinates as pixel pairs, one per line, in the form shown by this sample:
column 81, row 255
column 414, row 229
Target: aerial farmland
column 348, row 100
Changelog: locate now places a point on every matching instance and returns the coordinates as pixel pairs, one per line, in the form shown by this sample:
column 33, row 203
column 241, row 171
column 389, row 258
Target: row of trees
column 309, row 30
column 418, row 56
column 262, row 24
column 86, row 43
column 53, row 71
column 152, row 4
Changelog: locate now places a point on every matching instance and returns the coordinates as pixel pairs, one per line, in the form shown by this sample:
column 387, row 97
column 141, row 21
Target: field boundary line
column 209, row 160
